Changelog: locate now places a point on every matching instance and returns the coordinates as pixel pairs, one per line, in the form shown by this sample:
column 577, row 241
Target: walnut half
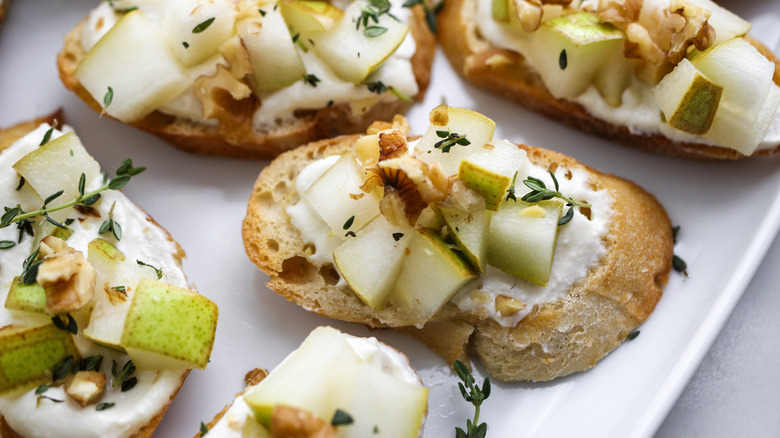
column 67, row 277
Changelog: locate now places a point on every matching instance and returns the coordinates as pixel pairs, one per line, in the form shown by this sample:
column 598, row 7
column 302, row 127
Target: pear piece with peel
column 522, row 239
column 336, row 196
column 489, row 170
column 27, row 298
column 58, row 165
column 431, row 274
column 310, row 16
column 169, row 327
column 275, row 60
column 330, row 371
column 448, row 123
column 355, row 51
column 195, row 29
column 131, row 71
column 28, row 355
column 469, row 230
column 568, row 51
column 104, row 257
column 500, row 10
column 688, row 99
column 370, row 261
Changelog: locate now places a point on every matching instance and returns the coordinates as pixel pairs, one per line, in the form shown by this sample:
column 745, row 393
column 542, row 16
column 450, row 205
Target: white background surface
column 728, row 213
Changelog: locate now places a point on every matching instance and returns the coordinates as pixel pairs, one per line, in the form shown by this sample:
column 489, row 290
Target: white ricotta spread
column 638, row 111
column 369, row 350
column 278, row 106
column 142, row 240
column 579, row 247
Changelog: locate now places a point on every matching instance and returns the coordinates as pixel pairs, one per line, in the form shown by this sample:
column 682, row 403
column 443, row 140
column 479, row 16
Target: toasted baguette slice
column 168, row 379
column 3, row 8
column 559, row 337
column 308, row 125
column 474, row 58
column 294, row 399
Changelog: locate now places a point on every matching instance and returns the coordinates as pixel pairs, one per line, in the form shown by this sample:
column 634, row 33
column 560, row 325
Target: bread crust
column 310, row 125
column 3, row 8
column 561, row 337
column 517, row 80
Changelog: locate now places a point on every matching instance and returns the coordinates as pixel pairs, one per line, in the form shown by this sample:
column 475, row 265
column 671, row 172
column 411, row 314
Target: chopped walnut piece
column 697, row 31
column 86, row 387
column 236, row 56
column 507, row 306
column 619, row 13
column 392, row 144
column 654, row 64
column 367, row 150
column 439, row 116
column 290, row 422
column 66, row 275
column 255, row 376
column 228, row 100
column 529, row 12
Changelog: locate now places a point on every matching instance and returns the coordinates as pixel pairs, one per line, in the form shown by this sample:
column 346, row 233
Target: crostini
column 538, row 264
column 677, row 77
column 333, row 385
column 248, row 78
column 99, row 324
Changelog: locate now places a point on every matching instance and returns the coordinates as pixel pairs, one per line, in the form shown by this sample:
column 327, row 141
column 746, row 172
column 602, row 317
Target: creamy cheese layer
column 638, row 111
column 579, row 248
column 369, row 350
column 278, row 106
column 142, row 240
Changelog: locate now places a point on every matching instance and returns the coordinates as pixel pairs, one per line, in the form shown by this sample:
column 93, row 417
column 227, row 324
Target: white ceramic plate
column 729, row 213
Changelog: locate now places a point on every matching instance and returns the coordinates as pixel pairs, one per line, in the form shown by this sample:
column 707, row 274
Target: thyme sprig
column 450, row 139
column 111, row 225
column 475, row 395
column 123, row 377
column 540, row 192
column 123, row 175
column 372, row 12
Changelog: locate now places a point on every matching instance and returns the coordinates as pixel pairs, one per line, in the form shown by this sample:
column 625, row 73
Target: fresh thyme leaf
column 53, row 222
column 71, row 327
column 123, row 378
column 203, row 26
column 566, row 218
column 397, row 236
column 310, row 80
column 341, row 418
column 679, row 264
column 47, row 135
column 108, row 98
column 203, row 429
column 91, row 363
column 349, row 222
column 563, row 61
column 41, row 389
column 295, row 37
column 5, row 244
column 350, row 234
column 111, row 225
column 62, row 369
column 52, row 197
column 82, row 183
column 31, row 272
column 631, row 336
column 675, row 230
column 21, row 183
column 262, row 12
column 9, row 215
column 510, row 192
column 450, row 139
column 104, row 406
column 374, row 31
column 475, row 395
column 119, row 289
column 129, row 384
column 185, row 44
column 156, row 270
column 377, row 87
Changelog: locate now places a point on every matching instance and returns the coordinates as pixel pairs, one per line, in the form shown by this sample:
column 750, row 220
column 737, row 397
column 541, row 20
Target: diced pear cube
column 336, row 196
column 28, row 298
column 195, row 29
column 275, row 60
column 524, row 245
column 136, row 63
column 371, row 260
column 28, row 355
column 688, row 99
column 310, row 16
column 56, row 166
column 476, row 128
column 431, row 274
column 469, row 230
column 169, row 327
column 490, row 168
column 354, row 53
